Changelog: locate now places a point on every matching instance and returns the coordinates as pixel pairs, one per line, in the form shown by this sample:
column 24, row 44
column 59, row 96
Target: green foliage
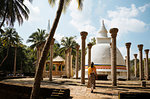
column 132, row 66
column 10, row 37
column 37, row 38
column 25, row 56
column 67, row 42
column 93, row 41
column 12, row 10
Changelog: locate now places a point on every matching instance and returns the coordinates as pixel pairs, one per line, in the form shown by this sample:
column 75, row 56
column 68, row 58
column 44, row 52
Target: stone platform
column 103, row 90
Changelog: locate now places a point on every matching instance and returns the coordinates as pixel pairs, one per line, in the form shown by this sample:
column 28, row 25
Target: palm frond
column 52, row 2
column 80, row 4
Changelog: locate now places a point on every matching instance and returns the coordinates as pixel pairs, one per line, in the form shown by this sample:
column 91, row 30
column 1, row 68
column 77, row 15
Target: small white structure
column 101, row 56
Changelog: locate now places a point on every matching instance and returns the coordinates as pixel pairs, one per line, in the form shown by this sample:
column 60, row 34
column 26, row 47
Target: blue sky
column 131, row 17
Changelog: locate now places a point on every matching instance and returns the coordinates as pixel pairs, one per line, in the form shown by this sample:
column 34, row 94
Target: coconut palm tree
column 12, row 10
column 68, row 42
column 62, row 5
column 37, row 38
column 56, row 49
column 10, row 38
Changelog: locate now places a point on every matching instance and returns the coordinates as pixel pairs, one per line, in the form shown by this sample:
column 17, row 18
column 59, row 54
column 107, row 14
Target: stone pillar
column 69, row 59
column 144, row 67
column 83, row 37
column 135, row 65
column 89, row 54
column 128, row 60
column 141, row 71
column 147, row 69
column 113, row 32
column 71, row 69
column 125, row 61
column 66, row 61
column 68, row 69
column 51, row 59
column 77, row 60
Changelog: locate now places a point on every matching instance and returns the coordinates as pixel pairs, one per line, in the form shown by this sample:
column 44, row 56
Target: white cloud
column 125, row 20
column 143, row 8
column 78, row 40
column 34, row 11
column 58, row 37
column 124, row 12
column 79, row 20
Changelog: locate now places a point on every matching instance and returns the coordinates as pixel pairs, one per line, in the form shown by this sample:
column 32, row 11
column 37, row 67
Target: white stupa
column 101, row 56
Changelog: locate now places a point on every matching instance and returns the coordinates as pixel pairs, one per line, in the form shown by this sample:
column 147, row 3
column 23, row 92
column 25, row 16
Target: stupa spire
column 48, row 27
column 103, row 32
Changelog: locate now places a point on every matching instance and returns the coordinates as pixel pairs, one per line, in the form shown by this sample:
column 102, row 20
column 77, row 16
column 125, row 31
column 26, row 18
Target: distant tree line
column 26, row 55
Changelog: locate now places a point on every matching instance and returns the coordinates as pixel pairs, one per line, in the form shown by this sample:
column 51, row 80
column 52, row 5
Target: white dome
column 101, row 54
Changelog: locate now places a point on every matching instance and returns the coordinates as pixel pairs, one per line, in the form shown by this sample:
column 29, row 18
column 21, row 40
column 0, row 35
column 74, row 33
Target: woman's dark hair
column 92, row 65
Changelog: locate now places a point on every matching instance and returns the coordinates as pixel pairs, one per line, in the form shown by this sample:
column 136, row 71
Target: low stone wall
column 8, row 91
column 102, row 77
column 133, row 95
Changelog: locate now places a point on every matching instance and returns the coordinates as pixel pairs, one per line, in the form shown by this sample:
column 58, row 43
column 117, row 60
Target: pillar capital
column 135, row 55
column 140, row 46
column 52, row 42
column 77, row 46
column 90, row 45
column 128, row 45
column 146, row 51
column 83, row 34
column 113, row 32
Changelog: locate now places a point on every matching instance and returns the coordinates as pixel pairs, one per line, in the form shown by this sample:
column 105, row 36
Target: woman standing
column 91, row 77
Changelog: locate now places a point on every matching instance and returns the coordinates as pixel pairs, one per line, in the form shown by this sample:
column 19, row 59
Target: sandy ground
column 103, row 90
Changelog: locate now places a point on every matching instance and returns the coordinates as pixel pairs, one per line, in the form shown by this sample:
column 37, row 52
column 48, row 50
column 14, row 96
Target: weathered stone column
column 71, row 68
column 51, row 59
column 147, row 69
column 77, row 60
column 83, row 37
column 113, row 32
column 70, row 59
column 125, row 61
column 144, row 67
column 89, row 54
column 141, row 71
column 128, row 60
column 66, row 62
column 135, row 65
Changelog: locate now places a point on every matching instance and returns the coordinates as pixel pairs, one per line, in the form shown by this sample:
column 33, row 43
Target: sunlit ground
column 103, row 88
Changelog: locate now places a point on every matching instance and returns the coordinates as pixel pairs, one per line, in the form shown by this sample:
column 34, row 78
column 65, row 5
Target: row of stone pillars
column 141, row 69
column 113, row 33
column 83, row 34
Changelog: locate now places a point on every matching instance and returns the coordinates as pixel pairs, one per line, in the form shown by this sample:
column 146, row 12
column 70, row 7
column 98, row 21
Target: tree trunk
column 5, row 57
column 15, row 61
column 38, row 75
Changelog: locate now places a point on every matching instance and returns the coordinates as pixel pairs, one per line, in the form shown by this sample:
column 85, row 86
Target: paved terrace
column 103, row 90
